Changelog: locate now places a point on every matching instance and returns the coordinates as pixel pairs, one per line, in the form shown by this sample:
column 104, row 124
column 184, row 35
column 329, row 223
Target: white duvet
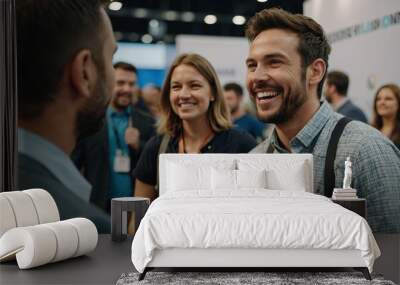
column 250, row 219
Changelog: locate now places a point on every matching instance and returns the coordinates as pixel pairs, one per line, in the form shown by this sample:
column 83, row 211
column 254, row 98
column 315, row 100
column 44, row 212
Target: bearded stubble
column 91, row 117
column 117, row 104
column 290, row 103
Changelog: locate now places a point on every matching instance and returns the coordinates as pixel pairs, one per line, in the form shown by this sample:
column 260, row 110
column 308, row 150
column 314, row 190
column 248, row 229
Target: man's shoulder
column 358, row 132
column 94, row 145
column 351, row 110
column 33, row 174
column 360, row 139
column 97, row 138
column 141, row 115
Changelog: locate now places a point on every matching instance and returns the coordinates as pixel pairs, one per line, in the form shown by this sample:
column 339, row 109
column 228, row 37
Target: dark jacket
column 33, row 174
column 351, row 111
column 91, row 157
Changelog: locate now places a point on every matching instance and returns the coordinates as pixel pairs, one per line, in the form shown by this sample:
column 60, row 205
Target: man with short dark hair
column 336, row 86
column 233, row 94
column 65, row 76
column 108, row 157
column 286, row 67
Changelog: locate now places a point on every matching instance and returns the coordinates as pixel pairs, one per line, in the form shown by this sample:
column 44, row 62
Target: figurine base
column 344, row 190
column 344, row 194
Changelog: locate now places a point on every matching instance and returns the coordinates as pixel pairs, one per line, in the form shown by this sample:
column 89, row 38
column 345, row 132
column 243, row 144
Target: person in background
column 336, row 86
column 108, row 157
column 286, row 66
column 386, row 116
column 151, row 95
column 194, row 119
column 65, row 76
column 233, row 94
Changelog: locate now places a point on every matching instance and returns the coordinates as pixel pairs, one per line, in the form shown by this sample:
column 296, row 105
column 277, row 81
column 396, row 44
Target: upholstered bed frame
column 243, row 259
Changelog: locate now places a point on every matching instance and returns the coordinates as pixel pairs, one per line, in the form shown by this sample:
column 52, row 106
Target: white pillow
column 251, row 178
column 183, row 177
column 223, row 179
column 283, row 172
column 291, row 179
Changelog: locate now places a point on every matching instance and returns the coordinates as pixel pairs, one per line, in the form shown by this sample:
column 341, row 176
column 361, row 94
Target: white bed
column 219, row 210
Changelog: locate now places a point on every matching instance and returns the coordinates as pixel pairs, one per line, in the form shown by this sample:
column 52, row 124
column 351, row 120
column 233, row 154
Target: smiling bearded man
column 286, row 67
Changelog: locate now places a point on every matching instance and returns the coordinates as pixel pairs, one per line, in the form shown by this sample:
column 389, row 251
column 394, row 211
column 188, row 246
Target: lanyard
column 117, row 138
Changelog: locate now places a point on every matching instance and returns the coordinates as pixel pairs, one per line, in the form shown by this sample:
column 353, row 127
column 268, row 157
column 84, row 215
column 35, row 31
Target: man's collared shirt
column 375, row 159
column 55, row 160
column 120, row 184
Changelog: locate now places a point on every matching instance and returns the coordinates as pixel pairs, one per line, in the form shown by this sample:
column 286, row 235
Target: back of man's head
column 313, row 43
column 340, row 80
column 232, row 86
column 49, row 34
column 125, row 66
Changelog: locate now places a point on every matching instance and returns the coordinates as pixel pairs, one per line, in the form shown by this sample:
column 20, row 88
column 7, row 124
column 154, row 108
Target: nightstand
column 358, row 205
column 119, row 214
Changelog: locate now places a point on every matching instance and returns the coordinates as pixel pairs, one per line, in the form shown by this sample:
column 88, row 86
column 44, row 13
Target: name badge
column 122, row 163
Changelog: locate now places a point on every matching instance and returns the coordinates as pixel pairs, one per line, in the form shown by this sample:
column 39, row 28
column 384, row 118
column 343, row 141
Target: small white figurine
column 347, row 174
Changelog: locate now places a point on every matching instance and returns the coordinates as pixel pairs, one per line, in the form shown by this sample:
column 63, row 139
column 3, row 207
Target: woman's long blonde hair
column 218, row 114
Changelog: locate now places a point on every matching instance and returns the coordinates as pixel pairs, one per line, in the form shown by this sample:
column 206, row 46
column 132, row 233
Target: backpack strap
column 163, row 149
column 329, row 172
column 164, row 144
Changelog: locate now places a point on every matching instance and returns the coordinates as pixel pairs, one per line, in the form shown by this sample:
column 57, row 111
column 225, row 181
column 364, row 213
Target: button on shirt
column 117, row 122
column 375, row 159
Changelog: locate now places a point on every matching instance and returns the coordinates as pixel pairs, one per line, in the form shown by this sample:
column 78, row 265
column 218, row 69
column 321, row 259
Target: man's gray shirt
column 375, row 164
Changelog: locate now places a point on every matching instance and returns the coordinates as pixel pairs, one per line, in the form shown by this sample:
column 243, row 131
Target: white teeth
column 267, row 94
column 186, row 104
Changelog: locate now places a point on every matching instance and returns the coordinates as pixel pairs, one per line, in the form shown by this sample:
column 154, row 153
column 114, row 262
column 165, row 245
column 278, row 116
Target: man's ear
column 83, row 73
column 316, row 71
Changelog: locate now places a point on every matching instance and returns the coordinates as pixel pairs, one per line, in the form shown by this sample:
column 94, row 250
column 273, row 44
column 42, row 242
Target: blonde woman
column 387, row 112
column 194, row 119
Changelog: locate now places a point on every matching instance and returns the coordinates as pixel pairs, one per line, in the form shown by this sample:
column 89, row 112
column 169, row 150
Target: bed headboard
column 281, row 163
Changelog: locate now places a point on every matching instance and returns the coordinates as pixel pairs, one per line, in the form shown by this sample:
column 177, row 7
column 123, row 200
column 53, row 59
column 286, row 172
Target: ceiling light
column 115, row 6
column 170, row 15
column 147, row 39
column 157, row 28
column 210, row 19
column 262, row 1
column 188, row 16
column 239, row 20
column 140, row 13
column 154, row 23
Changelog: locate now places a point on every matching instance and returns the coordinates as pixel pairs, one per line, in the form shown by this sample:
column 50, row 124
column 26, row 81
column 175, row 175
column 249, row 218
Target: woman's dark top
column 229, row 141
